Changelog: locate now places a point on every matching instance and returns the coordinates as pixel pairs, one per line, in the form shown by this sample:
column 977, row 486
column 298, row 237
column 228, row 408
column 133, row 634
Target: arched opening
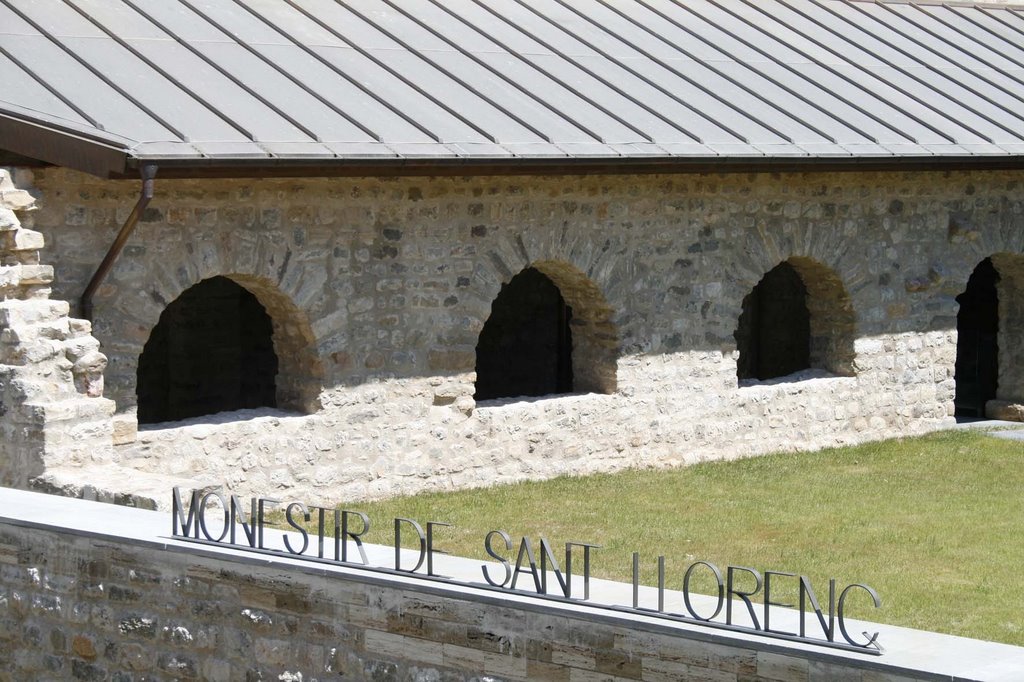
column 774, row 333
column 549, row 332
column 212, row 351
column 977, row 345
column 797, row 317
column 525, row 348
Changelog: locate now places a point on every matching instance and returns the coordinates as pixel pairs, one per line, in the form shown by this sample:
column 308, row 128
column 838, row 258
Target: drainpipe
column 148, row 173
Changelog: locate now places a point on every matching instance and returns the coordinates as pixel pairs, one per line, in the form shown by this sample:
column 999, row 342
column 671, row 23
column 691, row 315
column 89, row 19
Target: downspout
column 148, row 173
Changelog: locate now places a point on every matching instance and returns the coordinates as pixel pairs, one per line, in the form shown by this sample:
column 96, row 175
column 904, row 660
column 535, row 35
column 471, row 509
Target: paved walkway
column 997, row 428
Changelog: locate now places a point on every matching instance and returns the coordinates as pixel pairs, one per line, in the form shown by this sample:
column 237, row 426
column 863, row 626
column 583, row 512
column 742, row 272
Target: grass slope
column 934, row 524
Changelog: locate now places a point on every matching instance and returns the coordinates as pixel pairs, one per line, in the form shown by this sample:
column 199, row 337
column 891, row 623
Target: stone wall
column 52, row 411
column 107, row 609
column 378, row 290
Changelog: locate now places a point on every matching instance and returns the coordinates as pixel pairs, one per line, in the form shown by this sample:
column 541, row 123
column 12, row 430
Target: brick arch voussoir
column 595, row 334
column 129, row 320
column 300, row 369
column 596, row 341
column 820, row 252
column 832, row 314
column 963, row 257
column 566, row 258
column 833, row 319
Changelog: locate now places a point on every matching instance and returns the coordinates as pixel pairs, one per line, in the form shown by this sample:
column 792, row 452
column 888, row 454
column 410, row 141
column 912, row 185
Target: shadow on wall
column 237, row 342
column 223, row 345
column 550, row 332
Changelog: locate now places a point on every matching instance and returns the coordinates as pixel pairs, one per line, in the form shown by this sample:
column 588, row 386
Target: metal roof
column 107, row 85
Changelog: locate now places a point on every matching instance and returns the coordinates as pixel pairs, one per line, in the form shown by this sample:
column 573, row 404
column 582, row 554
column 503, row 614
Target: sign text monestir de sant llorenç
column 213, row 518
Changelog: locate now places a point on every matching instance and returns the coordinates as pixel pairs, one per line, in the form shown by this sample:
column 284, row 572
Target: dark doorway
column 977, row 346
column 525, row 347
column 211, row 351
column 774, row 332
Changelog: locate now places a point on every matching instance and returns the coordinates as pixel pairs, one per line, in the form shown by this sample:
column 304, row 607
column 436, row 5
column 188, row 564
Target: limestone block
column 8, row 221
column 1012, row 411
column 36, row 274
column 126, row 429
column 14, row 342
column 79, row 346
column 56, row 330
column 18, row 200
column 76, row 409
column 11, row 196
column 448, row 392
column 28, row 240
column 10, row 277
column 465, row 404
column 37, row 352
column 42, row 351
column 20, row 313
column 77, row 327
column 88, row 371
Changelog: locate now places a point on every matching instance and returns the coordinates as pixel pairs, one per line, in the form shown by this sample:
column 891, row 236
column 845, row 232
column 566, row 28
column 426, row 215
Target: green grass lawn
column 934, row 524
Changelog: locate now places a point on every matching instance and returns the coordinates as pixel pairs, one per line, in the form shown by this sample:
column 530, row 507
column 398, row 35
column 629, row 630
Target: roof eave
column 397, row 166
column 61, row 148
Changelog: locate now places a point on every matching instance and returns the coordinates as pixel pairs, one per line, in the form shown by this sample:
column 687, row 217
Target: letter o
column 202, row 516
column 686, row 590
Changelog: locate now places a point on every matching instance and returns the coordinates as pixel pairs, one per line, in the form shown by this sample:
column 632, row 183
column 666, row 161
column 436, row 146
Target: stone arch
column 210, row 352
column 299, row 373
column 824, row 319
column 977, row 347
column 594, row 338
column 140, row 288
column 1000, row 276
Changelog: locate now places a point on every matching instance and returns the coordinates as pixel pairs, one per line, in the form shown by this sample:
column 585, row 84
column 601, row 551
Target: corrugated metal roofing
column 259, row 82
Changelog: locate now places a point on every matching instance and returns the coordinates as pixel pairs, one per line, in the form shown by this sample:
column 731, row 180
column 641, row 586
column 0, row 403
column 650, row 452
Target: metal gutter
column 180, row 168
column 148, row 173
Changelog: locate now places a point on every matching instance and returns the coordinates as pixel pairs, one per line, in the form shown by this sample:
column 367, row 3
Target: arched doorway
column 977, row 346
column 797, row 317
column 212, row 351
column 774, row 332
column 525, row 347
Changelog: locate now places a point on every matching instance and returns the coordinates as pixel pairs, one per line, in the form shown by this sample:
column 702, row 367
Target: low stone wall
column 79, row 602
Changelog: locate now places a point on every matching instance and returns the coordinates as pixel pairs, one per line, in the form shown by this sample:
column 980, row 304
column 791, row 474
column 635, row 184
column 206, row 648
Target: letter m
column 189, row 524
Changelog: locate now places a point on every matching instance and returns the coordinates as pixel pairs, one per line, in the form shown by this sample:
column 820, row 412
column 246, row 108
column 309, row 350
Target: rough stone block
column 13, row 197
column 8, row 221
column 27, row 240
column 452, row 360
column 15, row 313
column 36, row 274
column 79, row 327
column 1006, row 410
column 126, row 429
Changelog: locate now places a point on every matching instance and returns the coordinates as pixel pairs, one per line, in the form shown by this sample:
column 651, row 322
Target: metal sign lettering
column 340, row 530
